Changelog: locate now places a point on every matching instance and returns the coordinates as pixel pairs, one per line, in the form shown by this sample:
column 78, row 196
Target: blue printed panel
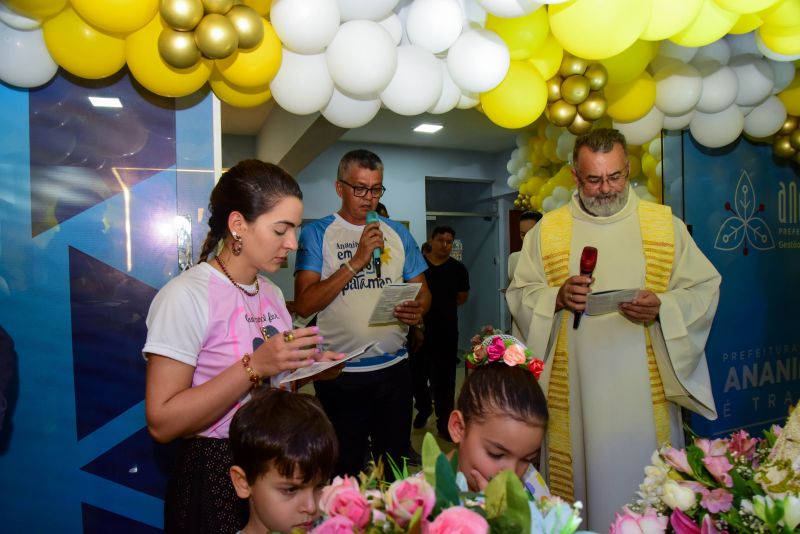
column 743, row 205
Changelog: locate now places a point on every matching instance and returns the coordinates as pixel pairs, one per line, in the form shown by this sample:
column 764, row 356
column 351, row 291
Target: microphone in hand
column 372, row 217
column 588, row 263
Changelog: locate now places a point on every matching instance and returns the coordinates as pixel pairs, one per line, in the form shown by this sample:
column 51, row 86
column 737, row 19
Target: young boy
column 284, row 450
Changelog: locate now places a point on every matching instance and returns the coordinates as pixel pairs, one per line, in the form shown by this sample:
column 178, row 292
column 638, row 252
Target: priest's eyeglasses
column 611, row 179
column 361, row 191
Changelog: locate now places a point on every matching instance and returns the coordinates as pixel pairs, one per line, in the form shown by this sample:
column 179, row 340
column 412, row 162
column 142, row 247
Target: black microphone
column 372, row 217
column 588, row 263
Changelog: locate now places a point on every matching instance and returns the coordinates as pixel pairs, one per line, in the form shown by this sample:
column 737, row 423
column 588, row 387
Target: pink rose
column 458, row 520
column 719, row 466
column 343, row 498
column 677, row 459
column 335, row 525
column 682, row 523
column 536, row 366
column 514, row 355
column 632, row 523
column 496, row 349
column 405, row 497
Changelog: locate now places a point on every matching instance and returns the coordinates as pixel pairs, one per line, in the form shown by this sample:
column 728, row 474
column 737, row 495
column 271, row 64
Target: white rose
column 677, row 496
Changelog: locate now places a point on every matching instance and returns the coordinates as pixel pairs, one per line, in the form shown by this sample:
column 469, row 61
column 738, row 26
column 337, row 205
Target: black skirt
column 200, row 497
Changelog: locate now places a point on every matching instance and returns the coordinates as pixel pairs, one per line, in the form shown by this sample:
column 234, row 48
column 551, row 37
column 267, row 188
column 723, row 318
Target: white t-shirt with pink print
column 201, row 319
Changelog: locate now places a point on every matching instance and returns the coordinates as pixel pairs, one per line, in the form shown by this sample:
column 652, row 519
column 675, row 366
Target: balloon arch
column 719, row 68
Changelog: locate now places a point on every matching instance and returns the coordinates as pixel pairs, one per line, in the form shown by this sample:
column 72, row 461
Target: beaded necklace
column 239, row 287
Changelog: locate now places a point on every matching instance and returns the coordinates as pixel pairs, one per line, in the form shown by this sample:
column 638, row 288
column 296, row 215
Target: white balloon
column 512, row 182
column 510, row 8
column 747, row 109
column 478, row 60
column 714, row 130
column 552, row 132
column 678, row 122
column 765, row 119
column 347, row 112
column 641, row 190
column 771, row 54
column 305, row 26
column 362, row 58
column 474, row 14
column 719, row 51
column 684, row 54
column 511, row 166
column 756, row 79
column 366, row 9
column 659, row 168
column 434, row 24
column 522, row 139
column 678, row 88
column 566, row 142
column 720, row 87
column 24, row 59
column 468, row 100
column 784, row 74
column 549, row 204
column 451, row 94
column 742, row 44
column 561, row 193
column 394, row 26
column 643, row 130
column 416, row 84
column 14, row 20
column 302, row 85
column 655, row 149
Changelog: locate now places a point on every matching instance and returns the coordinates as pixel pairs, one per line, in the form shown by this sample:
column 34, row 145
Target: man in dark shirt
column 448, row 282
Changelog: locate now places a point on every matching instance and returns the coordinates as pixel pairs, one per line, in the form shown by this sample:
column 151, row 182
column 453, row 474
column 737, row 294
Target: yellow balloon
column 746, row 23
column 746, row 6
column 37, row 9
column 635, row 164
column 535, row 184
column 547, row 58
column 630, row 63
column 81, row 49
column 239, row 97
column 261, row 6
column 116, row 16
column 523, row 35
column 631, row 101
column 654, row 187
column 150, row 70
column 669, row 17
column 256, row 67
column 648, row 163
column 519, row 99
column 711, row 24
column 791, row 96
column 597, row 29
column 781, row 39
column 784, row 13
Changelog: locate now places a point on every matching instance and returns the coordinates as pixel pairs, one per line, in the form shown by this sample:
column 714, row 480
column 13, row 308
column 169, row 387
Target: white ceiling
column 463, row 129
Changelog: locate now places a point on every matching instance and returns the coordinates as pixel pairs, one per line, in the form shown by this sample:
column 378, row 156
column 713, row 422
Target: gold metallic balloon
column 575, row 89
column 178, row 48
column 794, row 139
column 593, row 107
column 579, row 126
column 248, row 24
column 517, row 203
column 554, row 88
column 182, row 14
column 789, row 125
column 219, row 7
column 782, row 147
column 216, row 37
column 571, row 65
column 597, row 75
column 561, row 113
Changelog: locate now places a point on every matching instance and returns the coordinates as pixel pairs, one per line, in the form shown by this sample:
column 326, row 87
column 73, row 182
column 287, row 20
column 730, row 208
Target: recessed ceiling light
column 104, row 102
column 428, row 128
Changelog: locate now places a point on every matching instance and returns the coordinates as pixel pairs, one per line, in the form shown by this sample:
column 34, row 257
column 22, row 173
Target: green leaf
column 518, row 509
column 398, row 473
column 497, row 495
column 430, row 454
column 695, row 455
column 415, row 525
column 446, row 488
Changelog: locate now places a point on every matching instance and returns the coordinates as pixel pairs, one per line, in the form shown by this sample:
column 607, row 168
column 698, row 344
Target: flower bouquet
column 737, row 484
column 436, row 501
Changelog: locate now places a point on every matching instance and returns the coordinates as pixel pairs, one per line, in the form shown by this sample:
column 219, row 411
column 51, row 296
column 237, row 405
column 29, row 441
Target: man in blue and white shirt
column 336, row 277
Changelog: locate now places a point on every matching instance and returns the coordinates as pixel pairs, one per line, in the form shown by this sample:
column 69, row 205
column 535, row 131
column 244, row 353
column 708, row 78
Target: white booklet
column 391, row 296
column 608, row 301
column 318, row 367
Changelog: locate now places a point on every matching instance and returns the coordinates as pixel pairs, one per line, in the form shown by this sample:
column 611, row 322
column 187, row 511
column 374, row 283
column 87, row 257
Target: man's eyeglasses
column 361, row 191
column 611, row 179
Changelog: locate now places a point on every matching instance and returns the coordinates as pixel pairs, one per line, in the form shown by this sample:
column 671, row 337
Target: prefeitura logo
column 744, row 227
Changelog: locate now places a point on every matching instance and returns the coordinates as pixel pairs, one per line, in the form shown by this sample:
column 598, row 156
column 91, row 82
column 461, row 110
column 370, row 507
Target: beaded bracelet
column 255, row 378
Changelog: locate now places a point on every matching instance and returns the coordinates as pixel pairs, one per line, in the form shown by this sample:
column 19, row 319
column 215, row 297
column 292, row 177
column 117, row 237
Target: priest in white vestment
column 613, row 401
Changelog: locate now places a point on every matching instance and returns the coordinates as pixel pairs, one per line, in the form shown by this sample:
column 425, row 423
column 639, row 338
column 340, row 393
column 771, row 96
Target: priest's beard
column 604, row 205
